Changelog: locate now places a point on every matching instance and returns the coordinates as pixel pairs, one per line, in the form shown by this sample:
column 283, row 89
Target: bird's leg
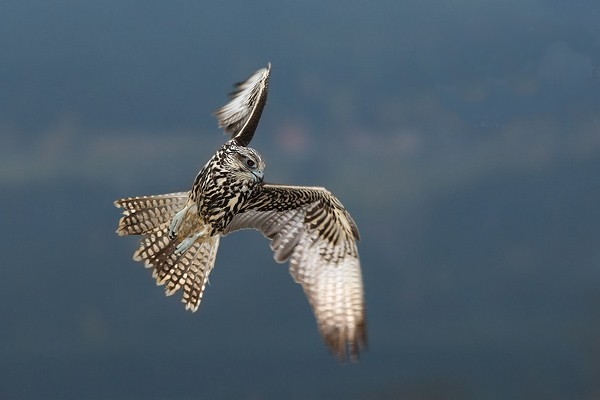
column 176, row 221
column 188, row 242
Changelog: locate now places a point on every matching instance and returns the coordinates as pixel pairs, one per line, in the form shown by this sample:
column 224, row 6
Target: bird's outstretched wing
column 240, row 116
column 310, row 227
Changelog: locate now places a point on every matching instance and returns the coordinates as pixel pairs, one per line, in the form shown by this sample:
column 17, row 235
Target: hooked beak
column 258, row 173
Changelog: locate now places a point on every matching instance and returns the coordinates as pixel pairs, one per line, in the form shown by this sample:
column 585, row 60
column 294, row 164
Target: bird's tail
column 189, row 268
column 147, row 214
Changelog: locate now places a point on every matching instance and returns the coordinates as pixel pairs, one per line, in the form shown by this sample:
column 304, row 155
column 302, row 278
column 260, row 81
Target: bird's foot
column 176, row 222
column 188, row 242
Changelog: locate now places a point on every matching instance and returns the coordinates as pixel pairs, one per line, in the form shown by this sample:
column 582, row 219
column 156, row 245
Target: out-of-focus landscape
column 463, row 136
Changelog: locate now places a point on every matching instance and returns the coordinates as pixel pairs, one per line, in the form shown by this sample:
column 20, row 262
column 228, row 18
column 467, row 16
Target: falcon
column 307, row 226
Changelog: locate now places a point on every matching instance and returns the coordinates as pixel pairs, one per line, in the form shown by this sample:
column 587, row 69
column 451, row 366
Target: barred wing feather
column 240, row 116
column 310, row 228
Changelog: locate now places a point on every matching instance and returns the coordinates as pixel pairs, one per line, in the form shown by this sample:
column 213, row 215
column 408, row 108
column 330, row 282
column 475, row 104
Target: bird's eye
column 250, row 163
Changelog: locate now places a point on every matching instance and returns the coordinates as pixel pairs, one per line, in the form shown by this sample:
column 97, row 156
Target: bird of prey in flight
column 307, row 226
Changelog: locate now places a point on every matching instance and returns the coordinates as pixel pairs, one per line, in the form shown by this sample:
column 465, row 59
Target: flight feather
column 240, row 116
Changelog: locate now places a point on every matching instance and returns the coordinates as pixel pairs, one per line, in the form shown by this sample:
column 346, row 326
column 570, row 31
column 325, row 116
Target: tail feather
column 190, row 271
column 152, row 246
column 146, row 214
column 151, row 217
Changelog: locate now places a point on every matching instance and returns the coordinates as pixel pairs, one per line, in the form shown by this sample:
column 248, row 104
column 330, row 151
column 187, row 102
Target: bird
column 307, row 226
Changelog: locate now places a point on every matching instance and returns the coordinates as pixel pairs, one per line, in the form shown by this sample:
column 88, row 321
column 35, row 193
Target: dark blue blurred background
column 463, row 136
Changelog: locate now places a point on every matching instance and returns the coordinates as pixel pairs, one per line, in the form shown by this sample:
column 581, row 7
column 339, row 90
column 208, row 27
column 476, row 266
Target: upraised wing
column 310, row 227
column 241, row 115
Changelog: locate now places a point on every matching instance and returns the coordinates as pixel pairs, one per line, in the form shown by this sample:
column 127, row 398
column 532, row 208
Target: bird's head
column 245, row 163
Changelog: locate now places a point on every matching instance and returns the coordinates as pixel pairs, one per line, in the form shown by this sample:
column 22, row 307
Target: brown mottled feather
column 311, row 228
column 307, row 226
column 240, row 116
column 151, row 216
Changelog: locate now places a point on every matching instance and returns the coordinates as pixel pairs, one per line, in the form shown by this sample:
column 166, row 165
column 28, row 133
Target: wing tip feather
column 347, row 345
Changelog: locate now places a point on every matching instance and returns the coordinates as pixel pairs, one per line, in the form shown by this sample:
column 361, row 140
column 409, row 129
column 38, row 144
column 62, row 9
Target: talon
column 184, row 246
column 187, row 243
column 176, row 222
